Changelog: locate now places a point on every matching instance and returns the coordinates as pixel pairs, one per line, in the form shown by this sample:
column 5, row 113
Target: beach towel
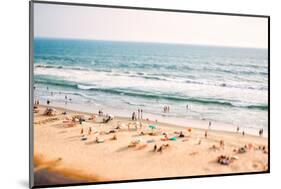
column 150, row 141
column 173, row 138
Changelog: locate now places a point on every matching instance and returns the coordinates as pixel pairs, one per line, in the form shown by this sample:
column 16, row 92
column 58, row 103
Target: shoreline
column 61, row 150
column 192, row 123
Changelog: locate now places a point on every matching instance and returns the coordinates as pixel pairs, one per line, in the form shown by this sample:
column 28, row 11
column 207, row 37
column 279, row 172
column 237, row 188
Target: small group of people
column 166, row 109
column 108, row 118
column 138, row 116
column 238, row 129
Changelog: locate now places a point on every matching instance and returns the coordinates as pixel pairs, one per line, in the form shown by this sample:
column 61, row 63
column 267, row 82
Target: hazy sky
column 62, row 21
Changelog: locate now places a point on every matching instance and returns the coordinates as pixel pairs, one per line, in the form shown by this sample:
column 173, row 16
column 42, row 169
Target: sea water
column 221, row 84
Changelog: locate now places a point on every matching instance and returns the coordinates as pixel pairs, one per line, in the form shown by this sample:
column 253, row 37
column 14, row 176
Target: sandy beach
column 144, row 149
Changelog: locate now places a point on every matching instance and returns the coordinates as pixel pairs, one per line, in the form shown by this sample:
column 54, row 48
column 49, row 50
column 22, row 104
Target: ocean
column 219, row 84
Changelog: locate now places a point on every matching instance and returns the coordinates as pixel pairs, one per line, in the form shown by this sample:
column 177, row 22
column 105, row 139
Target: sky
column 79, row 22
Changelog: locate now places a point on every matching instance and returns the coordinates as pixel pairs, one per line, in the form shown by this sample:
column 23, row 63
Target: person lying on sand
column 93, row 117
column 214, row 147
column 142, row 133
column 134, row 143
column 111, row 131
column 242, row 150
column 226, row 160
column 98, row 140
column 165, row 137
column 114, row 137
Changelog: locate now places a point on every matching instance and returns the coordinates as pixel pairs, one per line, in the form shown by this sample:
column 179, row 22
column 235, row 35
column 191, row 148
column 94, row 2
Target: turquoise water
column 228, row 85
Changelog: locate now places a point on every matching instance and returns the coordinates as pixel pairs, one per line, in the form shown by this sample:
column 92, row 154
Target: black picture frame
column 31, row 135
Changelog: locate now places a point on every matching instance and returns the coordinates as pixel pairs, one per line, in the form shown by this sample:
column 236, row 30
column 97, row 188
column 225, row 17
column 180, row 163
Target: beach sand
column 63, row 155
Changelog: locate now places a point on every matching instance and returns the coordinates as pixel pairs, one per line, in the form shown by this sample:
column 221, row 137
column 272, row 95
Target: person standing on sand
column 141, row 113
column 138, row 114
column 48, row 102
column 133, row 116
column 206, row 134
column 210, row 124
column 187, row 106
column 260, row 132
column 80, row 120
column 155, row 148
column 237, row 130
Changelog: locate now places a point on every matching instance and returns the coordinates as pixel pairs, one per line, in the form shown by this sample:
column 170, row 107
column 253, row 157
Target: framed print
column 126, row 94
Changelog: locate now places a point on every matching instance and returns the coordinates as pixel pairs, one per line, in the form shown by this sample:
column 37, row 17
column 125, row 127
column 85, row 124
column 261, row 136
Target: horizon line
column 155, row 42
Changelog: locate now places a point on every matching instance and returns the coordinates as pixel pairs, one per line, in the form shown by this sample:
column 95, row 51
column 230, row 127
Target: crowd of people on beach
column 137, row 116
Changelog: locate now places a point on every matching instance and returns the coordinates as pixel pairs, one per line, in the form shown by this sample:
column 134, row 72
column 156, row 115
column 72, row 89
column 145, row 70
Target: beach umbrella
column 152, row 126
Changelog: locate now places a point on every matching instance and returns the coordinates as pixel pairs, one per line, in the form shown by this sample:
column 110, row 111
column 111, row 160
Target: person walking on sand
column 141, row 113
column 187, row 106
column 206, row 134
column 90, row 131
column 48, row 102
column 237, row 130
column 210, row 124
